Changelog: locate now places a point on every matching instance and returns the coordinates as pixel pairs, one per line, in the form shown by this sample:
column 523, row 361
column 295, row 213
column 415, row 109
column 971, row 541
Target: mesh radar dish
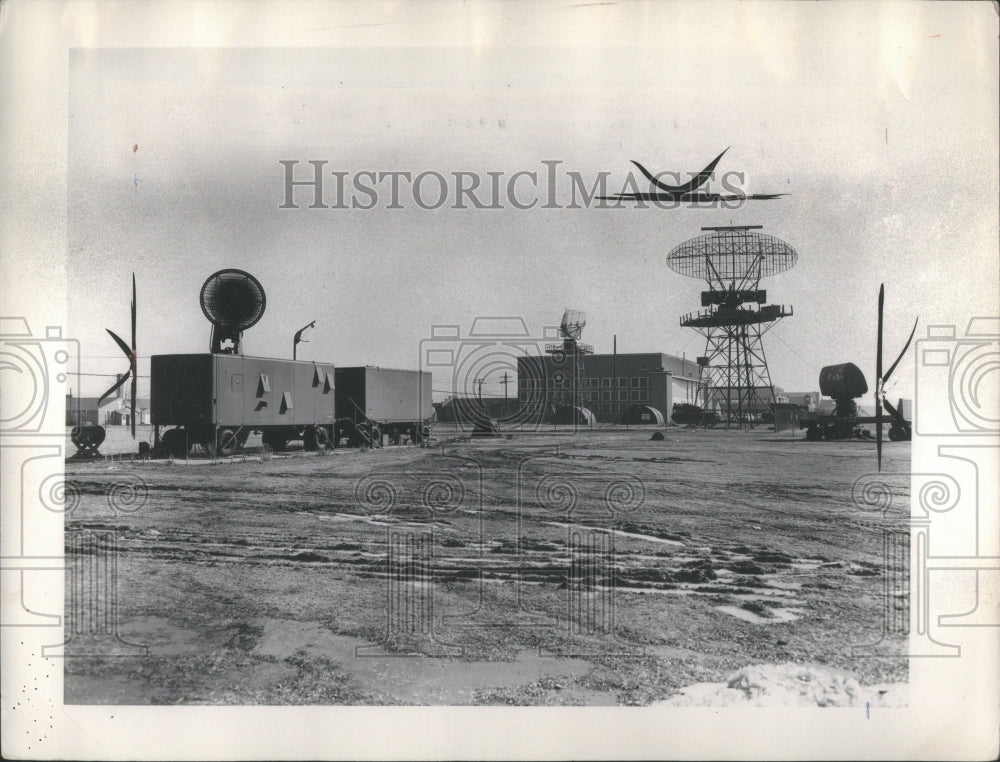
column 232, row 300
column 733, row 253
column 572, row 325
column 735, row 381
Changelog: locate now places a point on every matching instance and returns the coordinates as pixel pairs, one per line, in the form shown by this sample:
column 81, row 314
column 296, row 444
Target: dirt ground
column 541, row 568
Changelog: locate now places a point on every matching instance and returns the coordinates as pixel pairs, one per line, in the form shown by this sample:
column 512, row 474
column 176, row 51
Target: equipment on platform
column 88, row 438
column 735, row 381
column 233, row 301
column 217, row 400
column 131, row 374
column 844, row 383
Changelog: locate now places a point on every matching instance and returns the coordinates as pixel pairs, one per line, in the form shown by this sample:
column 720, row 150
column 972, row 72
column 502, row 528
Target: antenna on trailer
column 298, row 338
column 232, row 300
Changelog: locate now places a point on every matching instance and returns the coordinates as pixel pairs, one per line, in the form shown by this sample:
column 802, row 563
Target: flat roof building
column 610, row 384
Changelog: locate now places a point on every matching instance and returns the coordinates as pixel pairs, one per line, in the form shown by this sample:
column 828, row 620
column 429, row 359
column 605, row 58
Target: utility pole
column 480, row 381
column 505, row 380
column 614, row 377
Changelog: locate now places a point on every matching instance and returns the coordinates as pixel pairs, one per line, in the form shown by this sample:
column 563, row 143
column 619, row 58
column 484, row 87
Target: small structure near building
column 642, row 415
column 113, row 411
column 786, row 416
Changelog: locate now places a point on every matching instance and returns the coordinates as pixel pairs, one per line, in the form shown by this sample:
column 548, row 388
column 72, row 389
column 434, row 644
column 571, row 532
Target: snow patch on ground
column 790, row 685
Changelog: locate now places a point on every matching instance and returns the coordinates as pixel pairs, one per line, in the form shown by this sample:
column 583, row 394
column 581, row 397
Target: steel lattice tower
column 732, row 260
column 567, row 394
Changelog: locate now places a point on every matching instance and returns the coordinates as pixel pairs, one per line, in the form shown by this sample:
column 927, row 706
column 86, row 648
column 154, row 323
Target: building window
column 523, row 383
column 607, row 382
column 622, row 381
column 635, row 395
column 643, row 395
column 606, row 395
column 635, row 382
column 644, row 382
column 622, row 395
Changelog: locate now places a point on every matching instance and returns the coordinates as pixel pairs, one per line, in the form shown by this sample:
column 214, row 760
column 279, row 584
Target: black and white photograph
column 500, row 380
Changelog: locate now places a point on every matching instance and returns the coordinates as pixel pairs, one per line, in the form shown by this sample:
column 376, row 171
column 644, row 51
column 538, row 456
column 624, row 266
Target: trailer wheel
column 814, row 434
column 316, row 438
column 898, row 433
column 227, row 442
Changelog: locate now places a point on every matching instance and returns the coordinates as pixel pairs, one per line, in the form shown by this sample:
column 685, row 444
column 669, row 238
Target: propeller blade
column 121, row 343
column 112, row 390
column 878, row 379
column 133, row 312
column 878, row 347
column 132, row 404
column 878, row 432
column 907, row 346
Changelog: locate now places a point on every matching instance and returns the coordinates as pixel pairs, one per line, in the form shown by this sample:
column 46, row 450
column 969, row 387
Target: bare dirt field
column 541, row 568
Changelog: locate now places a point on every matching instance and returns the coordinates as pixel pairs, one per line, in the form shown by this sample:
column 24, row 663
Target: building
column 808, row 400
column 113, row 411
column 610, row 384
column 86, row 411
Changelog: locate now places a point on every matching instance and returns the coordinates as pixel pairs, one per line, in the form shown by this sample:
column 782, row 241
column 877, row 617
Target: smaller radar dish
column 573, row 322
column 232, row 300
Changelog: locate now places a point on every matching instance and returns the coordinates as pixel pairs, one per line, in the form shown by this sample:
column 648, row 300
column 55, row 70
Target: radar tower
column 567, row 358
column 735, row 380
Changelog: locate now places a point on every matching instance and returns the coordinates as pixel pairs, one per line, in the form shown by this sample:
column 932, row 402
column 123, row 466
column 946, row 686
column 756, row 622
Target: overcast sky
column 881, row 124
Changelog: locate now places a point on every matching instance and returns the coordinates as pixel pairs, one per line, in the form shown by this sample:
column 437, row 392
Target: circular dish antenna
column 732, row 253
column 572, row 324
column 233, row 300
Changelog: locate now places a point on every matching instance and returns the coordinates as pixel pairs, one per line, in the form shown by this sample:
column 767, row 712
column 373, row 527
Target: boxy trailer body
column 375, row 402
column 220, row 399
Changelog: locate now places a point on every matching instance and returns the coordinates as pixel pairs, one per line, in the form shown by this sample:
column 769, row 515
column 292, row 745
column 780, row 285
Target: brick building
column 610, row 384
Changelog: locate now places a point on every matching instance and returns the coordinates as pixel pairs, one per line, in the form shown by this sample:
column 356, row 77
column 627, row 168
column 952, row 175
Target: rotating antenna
column 572, row 324
column 232, row 300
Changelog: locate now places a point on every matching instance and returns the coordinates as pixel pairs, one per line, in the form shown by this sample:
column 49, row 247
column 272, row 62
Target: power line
column 105, row 375
column 806, row 362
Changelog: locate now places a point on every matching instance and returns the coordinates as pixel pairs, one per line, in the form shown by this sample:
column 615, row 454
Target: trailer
column 218, row 400
column 374, row 404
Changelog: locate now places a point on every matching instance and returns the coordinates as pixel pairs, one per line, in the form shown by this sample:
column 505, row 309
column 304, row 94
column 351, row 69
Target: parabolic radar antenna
column 232, row 300
column 735, row 381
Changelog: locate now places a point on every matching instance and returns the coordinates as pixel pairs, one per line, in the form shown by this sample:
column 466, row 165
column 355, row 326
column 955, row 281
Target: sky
column 879, row 123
